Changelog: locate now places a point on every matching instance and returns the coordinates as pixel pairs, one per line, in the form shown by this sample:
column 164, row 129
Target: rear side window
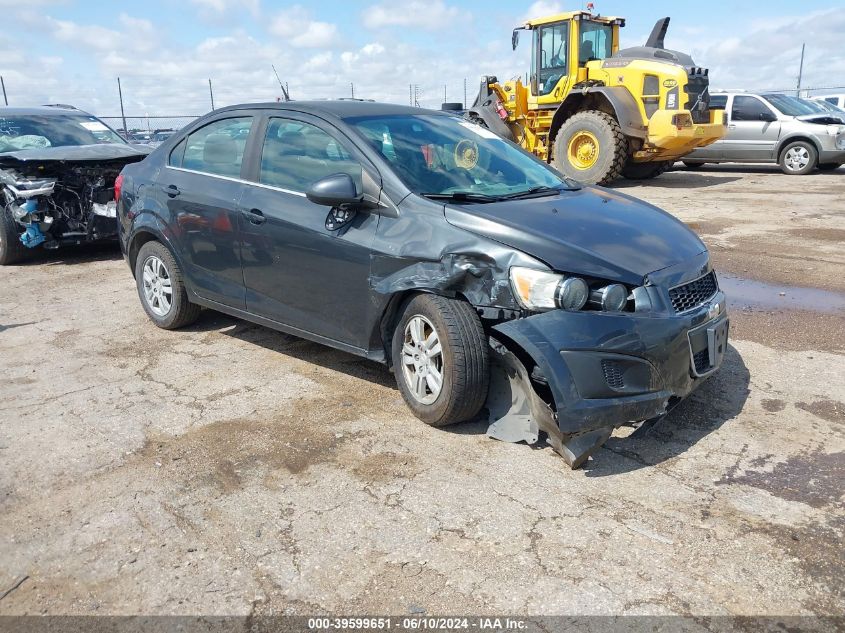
column 296, row 155
column 216, row 148
column 748, row 109
column 718, row 102
column 176, row 154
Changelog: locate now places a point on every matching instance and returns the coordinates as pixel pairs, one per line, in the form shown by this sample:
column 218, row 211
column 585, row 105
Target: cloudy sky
column 70, row 51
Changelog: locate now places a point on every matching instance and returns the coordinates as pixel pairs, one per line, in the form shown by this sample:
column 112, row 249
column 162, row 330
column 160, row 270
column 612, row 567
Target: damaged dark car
column 58, row 167
column 489, row 283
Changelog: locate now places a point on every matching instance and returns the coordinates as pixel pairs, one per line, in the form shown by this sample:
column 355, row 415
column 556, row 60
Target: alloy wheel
column 422, row 360
column 158, row 287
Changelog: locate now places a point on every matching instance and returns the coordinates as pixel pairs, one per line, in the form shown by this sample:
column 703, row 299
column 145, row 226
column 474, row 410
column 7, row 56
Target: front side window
column 748, row 109
column 216, row 148
column 295, row 155
column 596, row 42
column 441, row 155
column 36, row 131
column 553, row 48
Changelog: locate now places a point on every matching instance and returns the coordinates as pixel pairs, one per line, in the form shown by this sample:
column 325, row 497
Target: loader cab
column 561, row 47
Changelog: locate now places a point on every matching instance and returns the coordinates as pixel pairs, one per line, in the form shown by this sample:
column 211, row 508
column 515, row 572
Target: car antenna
column 281, row 85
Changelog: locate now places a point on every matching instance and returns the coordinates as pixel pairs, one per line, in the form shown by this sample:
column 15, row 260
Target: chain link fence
column 149, row 124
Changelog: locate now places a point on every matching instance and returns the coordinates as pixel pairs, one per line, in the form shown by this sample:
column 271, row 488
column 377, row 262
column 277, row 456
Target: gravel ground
column 230, row 469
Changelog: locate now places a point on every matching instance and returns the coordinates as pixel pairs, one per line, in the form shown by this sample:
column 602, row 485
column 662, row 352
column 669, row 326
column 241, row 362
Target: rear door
column 296, row 270
column 750, row 138
column 201, row 187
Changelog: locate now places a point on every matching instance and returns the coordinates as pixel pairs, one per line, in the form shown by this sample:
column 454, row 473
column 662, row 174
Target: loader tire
column 644, row 171
column 11, row 249
column 590, row 148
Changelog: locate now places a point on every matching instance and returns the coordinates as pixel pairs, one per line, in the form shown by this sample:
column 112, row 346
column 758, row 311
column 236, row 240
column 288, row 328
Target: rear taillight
column 118, row 183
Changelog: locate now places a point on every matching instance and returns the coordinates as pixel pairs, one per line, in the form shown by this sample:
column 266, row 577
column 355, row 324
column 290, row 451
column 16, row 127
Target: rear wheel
column 693, row 164
column 829, row 166
column 440, row 361
column 11, row 248
column 798, row 158
column 590, row 148
column 161, row 288
column 644, row 171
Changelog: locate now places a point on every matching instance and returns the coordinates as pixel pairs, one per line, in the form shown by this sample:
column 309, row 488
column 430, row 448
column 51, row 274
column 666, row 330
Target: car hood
column 821, row 118
column 590, row 231
column 76, row 153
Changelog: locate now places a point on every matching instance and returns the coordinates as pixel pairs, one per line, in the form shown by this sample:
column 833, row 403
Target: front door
column 750, row 137
column 201, row 187
column 296, row 270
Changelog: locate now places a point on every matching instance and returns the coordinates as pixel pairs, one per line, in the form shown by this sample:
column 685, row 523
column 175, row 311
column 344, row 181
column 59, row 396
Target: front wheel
column 440, row 360
column 11, row 248
column 590, row 148
column 161, row 288
column 798, row 158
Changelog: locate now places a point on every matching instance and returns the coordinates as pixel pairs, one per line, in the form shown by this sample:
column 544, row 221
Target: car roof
column 341, row 108
column 42, row 110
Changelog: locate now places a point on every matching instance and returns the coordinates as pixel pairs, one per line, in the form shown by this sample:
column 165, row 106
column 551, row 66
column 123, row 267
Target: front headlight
column 541, row 290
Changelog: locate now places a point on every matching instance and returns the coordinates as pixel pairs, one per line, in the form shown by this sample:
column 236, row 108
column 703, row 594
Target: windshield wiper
column 534, row 192
column 462, row 196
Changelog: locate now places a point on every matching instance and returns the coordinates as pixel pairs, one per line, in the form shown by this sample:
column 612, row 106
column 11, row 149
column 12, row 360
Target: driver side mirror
column 334, row 191
column 515, row 38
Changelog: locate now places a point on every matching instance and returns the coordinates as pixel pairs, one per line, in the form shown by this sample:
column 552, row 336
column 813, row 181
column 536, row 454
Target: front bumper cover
column 606, row 369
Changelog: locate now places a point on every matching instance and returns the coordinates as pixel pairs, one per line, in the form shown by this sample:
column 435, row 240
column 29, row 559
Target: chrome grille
column 695, row 293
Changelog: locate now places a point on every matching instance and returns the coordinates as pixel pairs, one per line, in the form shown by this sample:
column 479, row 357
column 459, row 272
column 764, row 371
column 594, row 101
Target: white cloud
column 162, row 73
column 137, row 34
column 220, row 7
column 541, row 9
column 767, row 55
column 298, row 29
column 415, row 13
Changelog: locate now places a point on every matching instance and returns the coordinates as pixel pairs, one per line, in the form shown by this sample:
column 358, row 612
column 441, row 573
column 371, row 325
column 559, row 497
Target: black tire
column 644, row 171
column 181, row 311
column 11, row 249
column 464, row 359
column 829, row 166
column 612, row 147
column 452, row 106
column 693, row 164
column 806, row 158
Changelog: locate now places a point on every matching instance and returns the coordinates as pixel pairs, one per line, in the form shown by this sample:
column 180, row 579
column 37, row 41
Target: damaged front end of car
column 59, row 196
column 572, row 373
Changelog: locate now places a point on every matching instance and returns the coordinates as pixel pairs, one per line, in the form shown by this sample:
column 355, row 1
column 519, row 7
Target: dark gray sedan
column 479, row 274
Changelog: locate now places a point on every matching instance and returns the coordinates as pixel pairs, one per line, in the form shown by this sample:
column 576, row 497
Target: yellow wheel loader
column 596, row 112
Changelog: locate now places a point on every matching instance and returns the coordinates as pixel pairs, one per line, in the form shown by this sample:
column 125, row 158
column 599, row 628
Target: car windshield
column 440, row 155
column 790, row 106
column 36, row 131
column 828, row 107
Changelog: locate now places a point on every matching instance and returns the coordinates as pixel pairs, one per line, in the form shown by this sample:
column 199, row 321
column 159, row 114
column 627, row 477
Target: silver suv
column 774, row 128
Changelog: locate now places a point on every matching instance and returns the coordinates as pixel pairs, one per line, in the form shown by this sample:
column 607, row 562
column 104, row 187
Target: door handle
column 171, row 190
column 254, row 216
column 732, row 126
